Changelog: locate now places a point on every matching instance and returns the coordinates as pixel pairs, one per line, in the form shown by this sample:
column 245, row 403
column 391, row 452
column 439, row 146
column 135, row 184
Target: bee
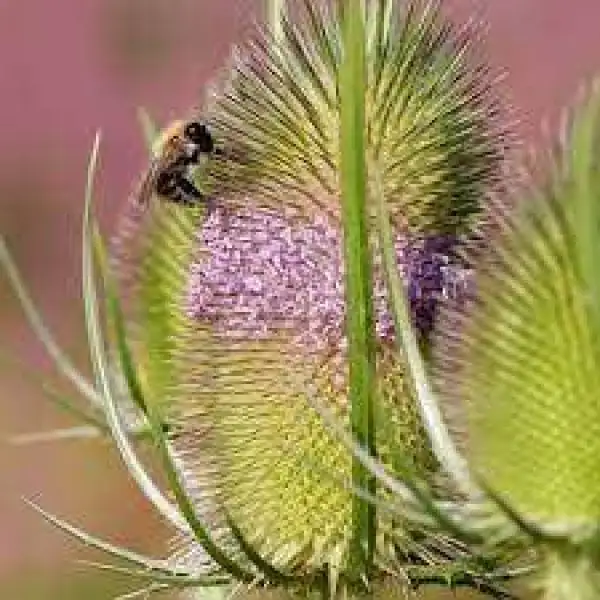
column 177, row 150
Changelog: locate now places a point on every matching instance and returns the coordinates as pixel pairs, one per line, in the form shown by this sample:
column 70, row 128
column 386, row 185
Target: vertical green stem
column 274, row 11
column 358, row 284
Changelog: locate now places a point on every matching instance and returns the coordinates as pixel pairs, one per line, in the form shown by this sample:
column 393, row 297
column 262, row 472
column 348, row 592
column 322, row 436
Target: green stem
column 275, row 11
column 442, row 444
column 358, row 283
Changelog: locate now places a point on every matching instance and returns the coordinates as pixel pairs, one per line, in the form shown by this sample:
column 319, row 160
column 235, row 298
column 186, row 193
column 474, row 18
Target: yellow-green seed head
column 240, row 305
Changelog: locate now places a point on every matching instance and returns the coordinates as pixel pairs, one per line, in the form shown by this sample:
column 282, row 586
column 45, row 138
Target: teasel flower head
column 520, row 360
column 258, row 335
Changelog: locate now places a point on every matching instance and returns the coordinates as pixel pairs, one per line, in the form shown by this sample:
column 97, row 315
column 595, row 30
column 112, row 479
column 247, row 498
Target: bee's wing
column 147, row 184
column 166, row 159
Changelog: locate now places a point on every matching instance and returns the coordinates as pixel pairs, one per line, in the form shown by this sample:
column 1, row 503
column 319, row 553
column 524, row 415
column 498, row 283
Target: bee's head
column 199, row 134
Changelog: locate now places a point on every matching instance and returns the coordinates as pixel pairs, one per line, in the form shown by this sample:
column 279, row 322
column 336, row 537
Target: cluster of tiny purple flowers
column 259, row 272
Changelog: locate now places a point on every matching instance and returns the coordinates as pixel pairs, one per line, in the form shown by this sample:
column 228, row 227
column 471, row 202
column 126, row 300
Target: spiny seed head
column 241, row 304
column 522, row 359
column 266, row 307
column 434, row 131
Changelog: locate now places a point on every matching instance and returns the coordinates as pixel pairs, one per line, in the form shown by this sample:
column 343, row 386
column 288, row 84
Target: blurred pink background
column 72, row 66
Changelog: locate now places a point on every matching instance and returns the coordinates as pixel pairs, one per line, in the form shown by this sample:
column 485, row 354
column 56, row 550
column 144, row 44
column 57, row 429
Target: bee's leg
column 206, row 145
column 193, row 158
column 173, row 185
column 167, row 183
column 189, row 190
